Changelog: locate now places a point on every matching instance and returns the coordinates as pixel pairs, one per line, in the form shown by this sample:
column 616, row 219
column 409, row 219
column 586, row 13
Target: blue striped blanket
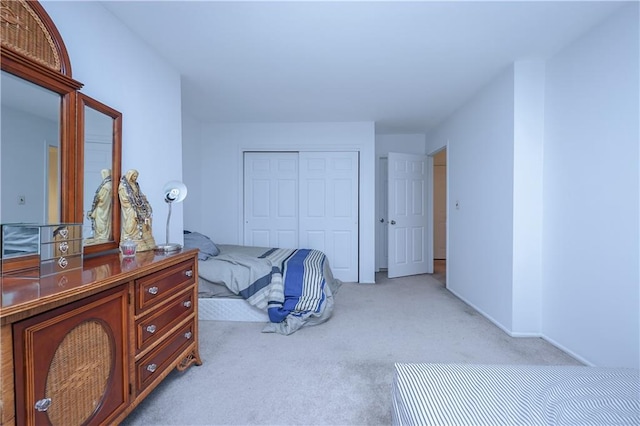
column 297, row 283
column 290, row 284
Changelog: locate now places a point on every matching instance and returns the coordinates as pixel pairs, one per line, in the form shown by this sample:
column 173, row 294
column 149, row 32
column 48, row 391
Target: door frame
column 448, row 210
column 446, row 197
column 382, row 209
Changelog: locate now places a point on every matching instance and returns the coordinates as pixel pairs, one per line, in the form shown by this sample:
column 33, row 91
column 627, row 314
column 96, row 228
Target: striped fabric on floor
column 470, row 394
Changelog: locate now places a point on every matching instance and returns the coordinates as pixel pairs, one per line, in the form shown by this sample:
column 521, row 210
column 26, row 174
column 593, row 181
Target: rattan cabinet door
column 70, row 362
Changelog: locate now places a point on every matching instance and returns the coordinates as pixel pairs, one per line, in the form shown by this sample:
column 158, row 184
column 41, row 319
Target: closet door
column 329, row 209
column 271, row 199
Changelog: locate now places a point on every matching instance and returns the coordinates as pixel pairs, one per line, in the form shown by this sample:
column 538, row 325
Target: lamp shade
column 174, row 191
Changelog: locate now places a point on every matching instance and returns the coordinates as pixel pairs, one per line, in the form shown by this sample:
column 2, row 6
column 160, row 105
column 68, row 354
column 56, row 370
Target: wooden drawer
column 164, row 356
column 61, row 248
column 157, row 287
column 61, row 232
column 150, row 328
column 61, row 264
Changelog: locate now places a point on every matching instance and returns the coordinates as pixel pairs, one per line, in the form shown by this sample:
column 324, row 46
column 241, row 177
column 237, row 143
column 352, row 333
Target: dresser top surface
column 21, row 295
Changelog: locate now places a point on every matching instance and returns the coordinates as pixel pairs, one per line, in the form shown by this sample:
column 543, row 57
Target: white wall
column 527, row 196
column 192, row 174
column 569, row 247
column 121, row 71
column 219, row 159
column 404, row 143
column 480, row 170
column 591, row 195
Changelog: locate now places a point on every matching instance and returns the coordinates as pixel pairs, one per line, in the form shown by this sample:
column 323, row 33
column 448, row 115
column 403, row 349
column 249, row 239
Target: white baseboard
column 568, row 351
column 520, row 334
column 483, row 313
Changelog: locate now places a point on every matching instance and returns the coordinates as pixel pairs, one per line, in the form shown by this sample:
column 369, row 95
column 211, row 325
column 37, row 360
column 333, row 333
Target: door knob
column 382, row 220
column 393, row 222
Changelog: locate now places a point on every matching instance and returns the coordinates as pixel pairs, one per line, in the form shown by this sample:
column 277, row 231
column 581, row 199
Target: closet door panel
column 316, row 239
column 329, row 209
column 343, row 248
column 271, row 199
column 316, row 204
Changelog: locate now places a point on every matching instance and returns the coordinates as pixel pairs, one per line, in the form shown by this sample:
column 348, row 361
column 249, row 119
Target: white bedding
column 466, row 394
column 216, row 270
column 214, row 276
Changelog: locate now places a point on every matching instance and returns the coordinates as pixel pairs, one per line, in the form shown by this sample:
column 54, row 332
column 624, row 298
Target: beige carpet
column 337, row 373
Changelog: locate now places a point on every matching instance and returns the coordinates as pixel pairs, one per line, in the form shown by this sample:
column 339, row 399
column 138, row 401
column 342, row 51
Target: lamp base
column 168, row 248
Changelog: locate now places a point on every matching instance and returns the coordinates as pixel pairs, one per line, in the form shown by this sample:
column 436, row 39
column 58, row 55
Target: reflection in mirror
column 20, row 240
column 99, row 128
column 98, row 146
column 29, row 152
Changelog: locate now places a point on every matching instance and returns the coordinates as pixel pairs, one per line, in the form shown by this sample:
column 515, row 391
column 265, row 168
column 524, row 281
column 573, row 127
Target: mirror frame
column 116, row 156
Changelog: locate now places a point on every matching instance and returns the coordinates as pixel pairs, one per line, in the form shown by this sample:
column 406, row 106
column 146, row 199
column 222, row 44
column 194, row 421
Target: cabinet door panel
column 69, row 362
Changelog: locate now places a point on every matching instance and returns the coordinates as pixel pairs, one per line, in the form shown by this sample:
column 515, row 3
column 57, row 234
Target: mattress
column 468, row 394
column 229, row 309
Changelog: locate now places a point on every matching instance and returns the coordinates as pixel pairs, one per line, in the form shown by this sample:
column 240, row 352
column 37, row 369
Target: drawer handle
column 43, row 404
column 64, row 246
column 62, row 262
column 153, row 290
column 188, row 335
column 152, row 367
column 189, row 273
column 151, row 328
column 186, row 304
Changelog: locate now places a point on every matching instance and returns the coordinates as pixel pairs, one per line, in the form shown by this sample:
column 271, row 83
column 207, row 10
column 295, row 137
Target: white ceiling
column 404, row 65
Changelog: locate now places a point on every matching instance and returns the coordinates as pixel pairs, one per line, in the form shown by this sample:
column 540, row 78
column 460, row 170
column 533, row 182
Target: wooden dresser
column 87, row 346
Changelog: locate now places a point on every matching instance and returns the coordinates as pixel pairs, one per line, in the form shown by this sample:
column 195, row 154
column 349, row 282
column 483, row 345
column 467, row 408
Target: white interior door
column 271, row 199
column 329, row 209
column 408, row 217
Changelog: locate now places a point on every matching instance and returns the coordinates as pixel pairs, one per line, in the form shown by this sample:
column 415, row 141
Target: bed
column 287, row 288
column 471, row 394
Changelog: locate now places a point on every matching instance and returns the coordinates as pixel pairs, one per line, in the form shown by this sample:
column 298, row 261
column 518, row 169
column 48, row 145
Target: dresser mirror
column 30, row 152
column 99, row 141
column 46, row 183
